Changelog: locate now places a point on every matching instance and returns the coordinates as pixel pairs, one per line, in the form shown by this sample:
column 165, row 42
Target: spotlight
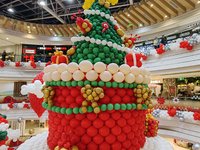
column 128, row 15
column 165, row 16
column 198, row 2
column 3, row 44
column 50, row 29
column 151, row 5
column 70, row 28
column 141, row 25
column 42, row 3
column 55, row 35
column 7, row 38
column 20, row 42
column 10, row 10
column 28, row 27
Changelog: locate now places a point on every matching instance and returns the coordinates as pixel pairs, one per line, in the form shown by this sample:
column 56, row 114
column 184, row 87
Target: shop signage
column 171, row 37
column 140, row 44
column 51, row 48
column 184, row 34
column 29, row 51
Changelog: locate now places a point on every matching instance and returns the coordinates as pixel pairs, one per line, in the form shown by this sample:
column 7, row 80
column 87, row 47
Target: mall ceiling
column 32, row 11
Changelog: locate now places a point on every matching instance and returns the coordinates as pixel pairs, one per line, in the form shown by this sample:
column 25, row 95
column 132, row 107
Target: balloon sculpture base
column 39, row 142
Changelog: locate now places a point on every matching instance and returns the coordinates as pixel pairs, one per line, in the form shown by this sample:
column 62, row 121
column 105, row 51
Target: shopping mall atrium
column 99, row 74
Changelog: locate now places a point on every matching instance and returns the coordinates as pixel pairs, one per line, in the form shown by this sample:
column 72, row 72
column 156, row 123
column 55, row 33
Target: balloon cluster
column 196, row 146
column 179, row 114
column 129, row 41
column 186, row 45
column 1, row 63
column 133, row 60
column 151, row 126
column 156, row 113
column 160, row 50
column 13, row 134
column 172, row 112
column 143, row 95
column 59, row 58
column 105, row 3
column 196, row 116
column 49, row 93
column 3, row 133
column 91, row 95
column 34, row 88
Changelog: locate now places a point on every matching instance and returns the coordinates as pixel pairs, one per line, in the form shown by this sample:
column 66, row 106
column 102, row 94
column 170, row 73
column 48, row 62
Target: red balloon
column 121, row 122
column 57, row 135
column 138, row 119
column 116, row 130
column 70, row 99
column 61, row 99
column 81, row 146
column 134, row 127
column 116, row 115
column 126, row 114
column 80, row 131
column 80, row 116
column 105, row 100
column 138, row 146
column 126, row 99
column 126, row 144
column 134, row 113
column 73, row 105
column 79, row 99
column 121, row 137
column 75, row 92
column 98, row 123
column 57, row 120
column 116, row 99
column 126, row 128
column 104, row 146
column 51, row 145
column 110, row 92
column 63, row 59
column 86, row 139
column 129, row 92
column 134, row 141
column 60, row 128
column 92, row 146
column 64, row 104
column 137, row 133
column 91, row 116
column 104, row 116
column 74, row 123
column 110, row 139
column 98, row 139
column 69, row 117
column 104, row 131
column 58, row 92
column 110, row 123
column 131, row 121
column 92, row 131
column 116, row 145
column 85, row 123
column 65, row 92
column 130, row 135
column 142, row 143
column 121, row 92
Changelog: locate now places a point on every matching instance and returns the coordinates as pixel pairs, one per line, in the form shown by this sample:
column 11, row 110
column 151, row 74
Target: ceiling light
column 33, row 27
column 70, row 28
column 198, row 2
column 3, row 44
column 42, row 3
column 50, row 29
column 141, row 25
column 10, row 10
column 55, row 35
column 7, row 38
column 165, row 16
column 20, row 42
column 151, row 5
column 28, row 27
column 29, row 32
column 172, row 75
column 128, row 15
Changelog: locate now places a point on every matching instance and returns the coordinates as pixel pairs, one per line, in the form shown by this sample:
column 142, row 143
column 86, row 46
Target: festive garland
column 14, row 105
column 180, row 44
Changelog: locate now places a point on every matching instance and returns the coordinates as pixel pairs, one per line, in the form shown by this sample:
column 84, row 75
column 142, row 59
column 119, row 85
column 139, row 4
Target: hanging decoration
column 161, row 100
column 175, row 100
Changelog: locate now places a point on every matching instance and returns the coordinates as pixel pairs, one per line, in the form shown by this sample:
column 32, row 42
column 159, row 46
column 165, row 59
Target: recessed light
column 3, row 44
column 198, row 2
column 28, row 27
column 7, row 38
column 50, row 29
column 151, row 5
column 172, row 75
column 55, row 35
column 29, row 32
column 20, row 42
column 70, row 28
column 10, row 10
column 42, row 3
column 33, row 27
column 141, row 25
column 128, row 14
column 165, row 16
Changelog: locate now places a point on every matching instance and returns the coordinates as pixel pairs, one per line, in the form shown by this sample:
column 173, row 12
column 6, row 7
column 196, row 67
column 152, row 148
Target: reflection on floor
column 37, row 128
column 176, row 147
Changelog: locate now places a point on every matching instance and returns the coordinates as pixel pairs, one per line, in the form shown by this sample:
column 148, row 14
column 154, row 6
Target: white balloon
column 130, row 78
column 47, row 77
column 113, row 68
column 53, row 67
column 118, row 77
column 107, row 16
column 23, row 92
column 98, row 41
column 38, row 83
column 142, row 71
column 55, row 76
column 139, row 79
column 62, row 67
column 99, row 67
column 146, row 80
column 66, row 76
column 134, row 70
column 78, row 75
column 104, row 42
column 85, row 66
column 157, row 55
column 105, row 76
column 72, row 67
column 148, row 72
column 91, row 75
column 125, row 69
column 40, row 95
column 92, row 40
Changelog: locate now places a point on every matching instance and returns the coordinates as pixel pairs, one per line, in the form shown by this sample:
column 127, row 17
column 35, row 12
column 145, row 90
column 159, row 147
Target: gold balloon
column 45, row 100
column 84, row 25
column 88, row 92
column 85, row 95
column 120, row 32
column 139, row 106
column 126, row 38
column 139, row 95
column 88, row 86
column 57, row 148
column 52, row 93
column 107, row 4
column 74, row 148
column 84, row 103
column 96, row 110
column 94, row 94
column 146, row 102
column 144, row 90
column 83, row 90
column 50, row 88
column 139, row 91
column 139, row 100
column 101, row 2
column 84, row 109
column 150, row 106
column 82, row 32
column 96, row 98
column 145, row 95
column 46, row 92
column 98, row 90
column 87, row 29
column 79, row 28
column 139, row 86
column 101, row 95
column 129, row 42
column 94, row 104
column 126, row 44
column 90, row 97
column 63, row 148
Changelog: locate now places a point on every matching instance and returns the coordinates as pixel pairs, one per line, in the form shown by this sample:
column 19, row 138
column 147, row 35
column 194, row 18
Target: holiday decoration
column 151, row 126
column 49, row 93
column 176, row 100
column 3, row 133
column 133, row 60
column 172, row 112
column 161, row 100
column 129, row 41
column 59, row 58
column 71, row 51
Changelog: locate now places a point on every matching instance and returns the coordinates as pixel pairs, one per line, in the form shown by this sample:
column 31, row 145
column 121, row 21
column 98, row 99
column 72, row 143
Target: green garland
column 93, row 83
column 90, row 109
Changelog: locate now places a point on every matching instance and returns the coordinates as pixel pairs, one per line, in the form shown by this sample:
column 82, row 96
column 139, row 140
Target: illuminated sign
column 29, row 51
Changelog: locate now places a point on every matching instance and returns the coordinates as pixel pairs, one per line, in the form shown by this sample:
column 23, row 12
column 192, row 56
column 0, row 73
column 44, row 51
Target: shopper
column 155, row 43
column 4, row 55
column 163, row 40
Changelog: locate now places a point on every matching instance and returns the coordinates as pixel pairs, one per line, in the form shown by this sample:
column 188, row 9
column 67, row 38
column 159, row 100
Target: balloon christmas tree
column 99, row 39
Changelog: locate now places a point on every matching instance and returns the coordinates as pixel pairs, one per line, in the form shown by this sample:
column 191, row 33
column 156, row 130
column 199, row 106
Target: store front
column 41, row 53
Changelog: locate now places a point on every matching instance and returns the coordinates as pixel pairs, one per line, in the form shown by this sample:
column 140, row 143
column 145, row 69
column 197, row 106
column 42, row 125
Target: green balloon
column 48, row 108
column 112, row 55
column 63, row 110
column 101, row 83
column 92, row 45
column 103, row 107
column 69, row 111
column 101, row 55
column 86, row 51
column 95, row 50
column 123, row 106
column 58, row 109
column 97, row 60
column 83, row 45
column 80, row 60
column 134, row 85
column 54, row 108
column 134, row 106
column 80, row 83
column 108, row 84
column 110, row 106
column 106, row 49
column 94, row 83
column 86, row 82
column 128, row 106
column 117, row 106
column 121, row 85
column 126, row 85
column 130, row 86
column 58, row 83
column 68, row 83
column 54, row 83
column 90, row 56
column 76, row 110
column 80, row 111
column 80, row 55
column 117, row 61
column 74, row 83
column 114, row 84
column 89, row 109
column 63, row 83
column 108, row 36
column 47, row 83
column 108, row 61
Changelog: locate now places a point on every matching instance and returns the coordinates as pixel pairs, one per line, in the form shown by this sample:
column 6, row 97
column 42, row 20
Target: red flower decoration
column 172, row 112
column 160, row 50
column 1, row 63
column 17, row 64
column 161, row 100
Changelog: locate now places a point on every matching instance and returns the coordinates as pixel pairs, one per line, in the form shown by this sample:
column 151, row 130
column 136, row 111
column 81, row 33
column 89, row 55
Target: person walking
column 4, row 55
column 155, row 43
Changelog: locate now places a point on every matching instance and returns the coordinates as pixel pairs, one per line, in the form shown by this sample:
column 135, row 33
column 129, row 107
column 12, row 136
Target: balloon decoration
column 196, row 146
column 133, row 60
column 20, row 120
column 175, row 100
column 172, row 112
column 3, row 132
column 151, row 126
column 161, row 100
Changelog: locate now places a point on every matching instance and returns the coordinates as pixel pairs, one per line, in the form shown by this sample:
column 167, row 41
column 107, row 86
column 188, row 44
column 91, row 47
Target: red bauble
column 121, row 137
column 74, row 92
column 91, row 116
column 80, row 131
column 121, row 122
column 74, row 123
column 86, row 139
column 65, row 92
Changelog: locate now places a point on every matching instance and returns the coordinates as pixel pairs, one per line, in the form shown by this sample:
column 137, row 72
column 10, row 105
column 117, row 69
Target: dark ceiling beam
column 9, row 3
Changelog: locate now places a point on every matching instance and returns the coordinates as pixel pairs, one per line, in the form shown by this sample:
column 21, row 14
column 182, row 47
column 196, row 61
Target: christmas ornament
column 175, row 100
column 161, row 100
